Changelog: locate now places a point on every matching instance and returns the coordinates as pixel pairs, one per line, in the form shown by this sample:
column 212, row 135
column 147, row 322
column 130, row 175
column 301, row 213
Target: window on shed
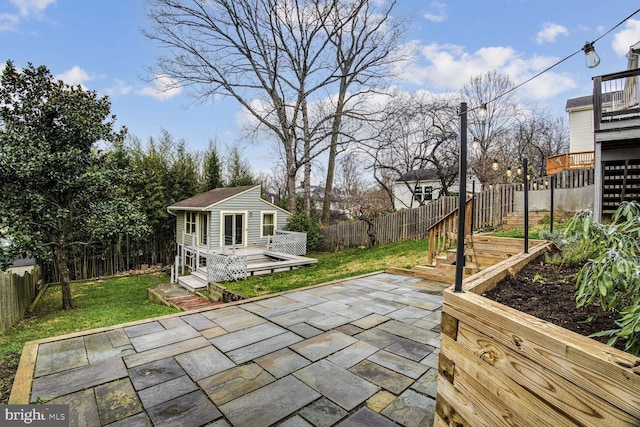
column 190, row 223
column 423, row 193
column 268, row 224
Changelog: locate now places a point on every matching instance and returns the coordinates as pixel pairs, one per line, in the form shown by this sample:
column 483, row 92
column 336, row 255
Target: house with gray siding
column 224, row 225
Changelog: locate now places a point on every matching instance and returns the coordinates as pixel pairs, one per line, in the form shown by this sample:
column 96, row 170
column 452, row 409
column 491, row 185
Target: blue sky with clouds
column 98, row 43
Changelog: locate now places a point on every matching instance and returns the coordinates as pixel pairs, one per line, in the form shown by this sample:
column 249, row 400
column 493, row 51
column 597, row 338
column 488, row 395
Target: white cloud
column 437, row 12
column 8, row 22
column 449, row 67
column 164, row 87
column 32, row 7
column 120, row 88
column 550, row 33
column 627, row 37
column 74, row 76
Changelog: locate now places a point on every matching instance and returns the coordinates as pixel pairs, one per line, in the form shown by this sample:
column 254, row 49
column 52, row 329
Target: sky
column 99, row 44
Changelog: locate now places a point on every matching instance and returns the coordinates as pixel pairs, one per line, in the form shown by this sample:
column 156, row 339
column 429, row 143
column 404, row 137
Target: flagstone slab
column 118, row 338
column 295, row 421
column 305, row 330
column 377, row 337
column 99, row 347
column 60, row 356
column 337, row 384
column 143, row 329
column 349, row 329
column 410, row 349
column 353, row 354
column 427, row 383
column 173, row 322
column 370, row 321
column 156, row 372
column 162, row 338
column 328, row 321
column 432, row 359
column 409, row 331
column 294, row 317
column 193, row 409
column 322, row 413
column 399, row 364
column 168, row 390
column 366, row 417
column 210, row 333
column 233, row 383
column 166, row 351
column 282, row 362
column 137, row 420
column 380, row 400
column 204, row 362
column 83, row 409
column 386, row 378
column 409, row 314
column 247, row 336
column 329, row 307
column 198, row 321
column 306, row 297
column 253, row 351
column 233, row 318
column 322, row 345
column 411, row 409
column 277, row 311
column 76, row 379
column 270, row 403
column 117, row 400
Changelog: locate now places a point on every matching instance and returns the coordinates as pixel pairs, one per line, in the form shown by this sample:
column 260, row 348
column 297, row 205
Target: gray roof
column 210, row 197
column 581, row 101
column 428, row 174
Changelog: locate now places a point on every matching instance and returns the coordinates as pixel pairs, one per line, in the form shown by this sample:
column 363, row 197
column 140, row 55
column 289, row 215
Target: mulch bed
column 7, row 374
column 547, row 292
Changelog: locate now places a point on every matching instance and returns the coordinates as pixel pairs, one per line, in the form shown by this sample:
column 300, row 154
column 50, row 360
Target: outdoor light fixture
column 509, row 173
column 495, row 165
column 482, row 112
column 476, row 144
column 591, row 57
column 519, row 170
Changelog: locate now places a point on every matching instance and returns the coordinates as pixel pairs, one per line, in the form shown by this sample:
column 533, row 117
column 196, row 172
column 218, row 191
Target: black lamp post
column 462, row 195
column 525, row 180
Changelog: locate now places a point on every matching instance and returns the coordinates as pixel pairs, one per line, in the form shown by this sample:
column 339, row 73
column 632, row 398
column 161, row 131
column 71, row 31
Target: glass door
column 233, row 229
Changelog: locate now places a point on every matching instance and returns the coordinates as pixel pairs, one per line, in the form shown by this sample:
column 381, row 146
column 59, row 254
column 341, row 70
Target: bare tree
column 416, row 131
column 491, row 133
column 276, row 58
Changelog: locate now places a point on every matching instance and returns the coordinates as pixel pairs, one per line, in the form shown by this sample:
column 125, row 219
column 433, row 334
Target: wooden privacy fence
column 16, row 293
column 405, row 224
column 489, row 208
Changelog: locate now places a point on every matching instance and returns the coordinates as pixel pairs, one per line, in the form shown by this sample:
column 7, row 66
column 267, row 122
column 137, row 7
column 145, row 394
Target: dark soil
column 547, row 292
column 7, row 374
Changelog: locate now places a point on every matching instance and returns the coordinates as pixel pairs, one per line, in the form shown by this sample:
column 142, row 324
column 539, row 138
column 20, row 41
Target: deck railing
column 443, row 234
column 616, row 100
column 579, row 160
column 288, row 242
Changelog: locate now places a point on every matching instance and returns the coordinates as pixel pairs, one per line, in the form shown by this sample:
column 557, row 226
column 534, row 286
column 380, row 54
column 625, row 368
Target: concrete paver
column 359, row 352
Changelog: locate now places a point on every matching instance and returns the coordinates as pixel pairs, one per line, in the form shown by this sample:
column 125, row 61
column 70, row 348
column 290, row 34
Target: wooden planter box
column 501, row 367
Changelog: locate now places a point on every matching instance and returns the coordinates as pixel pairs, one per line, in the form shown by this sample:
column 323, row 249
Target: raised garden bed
column 499, row 366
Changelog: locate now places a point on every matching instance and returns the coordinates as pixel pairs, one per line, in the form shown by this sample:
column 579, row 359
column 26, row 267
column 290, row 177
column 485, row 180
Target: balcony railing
column 580, row 160
column 616, row 100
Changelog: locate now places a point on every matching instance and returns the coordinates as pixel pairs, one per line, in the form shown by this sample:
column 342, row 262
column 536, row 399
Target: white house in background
column 580, row 111
column 420, row 186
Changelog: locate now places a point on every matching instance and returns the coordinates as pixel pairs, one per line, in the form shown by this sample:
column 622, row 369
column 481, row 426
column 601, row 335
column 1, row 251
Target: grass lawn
column 98, row 303
column 334, row 266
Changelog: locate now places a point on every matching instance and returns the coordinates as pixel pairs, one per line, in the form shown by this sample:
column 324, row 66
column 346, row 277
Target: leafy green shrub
column 611, row 275
column 303, row 223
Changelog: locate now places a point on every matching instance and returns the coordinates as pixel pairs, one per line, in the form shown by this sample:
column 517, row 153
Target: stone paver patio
column 358, row 352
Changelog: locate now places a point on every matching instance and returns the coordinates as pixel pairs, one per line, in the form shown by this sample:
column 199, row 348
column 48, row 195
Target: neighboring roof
column 428, row 174
column 587, row 101
column 582, row 101
column 210, row 197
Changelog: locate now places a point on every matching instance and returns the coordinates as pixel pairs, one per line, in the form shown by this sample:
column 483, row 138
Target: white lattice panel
column 223, row 268
column 288, row 242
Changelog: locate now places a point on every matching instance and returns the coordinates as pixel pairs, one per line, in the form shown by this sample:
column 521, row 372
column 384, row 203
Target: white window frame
column 245, row 221
column 190, row 222
column 275, row 222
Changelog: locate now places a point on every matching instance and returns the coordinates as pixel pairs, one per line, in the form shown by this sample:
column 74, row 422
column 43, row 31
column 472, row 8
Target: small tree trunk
column 63, row 269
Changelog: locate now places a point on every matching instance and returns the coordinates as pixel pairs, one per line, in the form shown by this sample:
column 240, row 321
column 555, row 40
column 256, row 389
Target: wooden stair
column 481, row 252
column 515, row 220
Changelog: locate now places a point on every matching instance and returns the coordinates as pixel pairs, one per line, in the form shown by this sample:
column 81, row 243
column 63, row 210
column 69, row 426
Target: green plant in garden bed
column 610, row 276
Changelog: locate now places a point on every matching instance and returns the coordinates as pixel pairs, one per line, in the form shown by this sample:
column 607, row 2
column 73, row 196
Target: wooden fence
column 489, row 208
column 16, row 293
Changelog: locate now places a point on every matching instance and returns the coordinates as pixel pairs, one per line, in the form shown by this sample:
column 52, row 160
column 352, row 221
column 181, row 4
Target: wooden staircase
column 481, row 252
column 515, row 220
